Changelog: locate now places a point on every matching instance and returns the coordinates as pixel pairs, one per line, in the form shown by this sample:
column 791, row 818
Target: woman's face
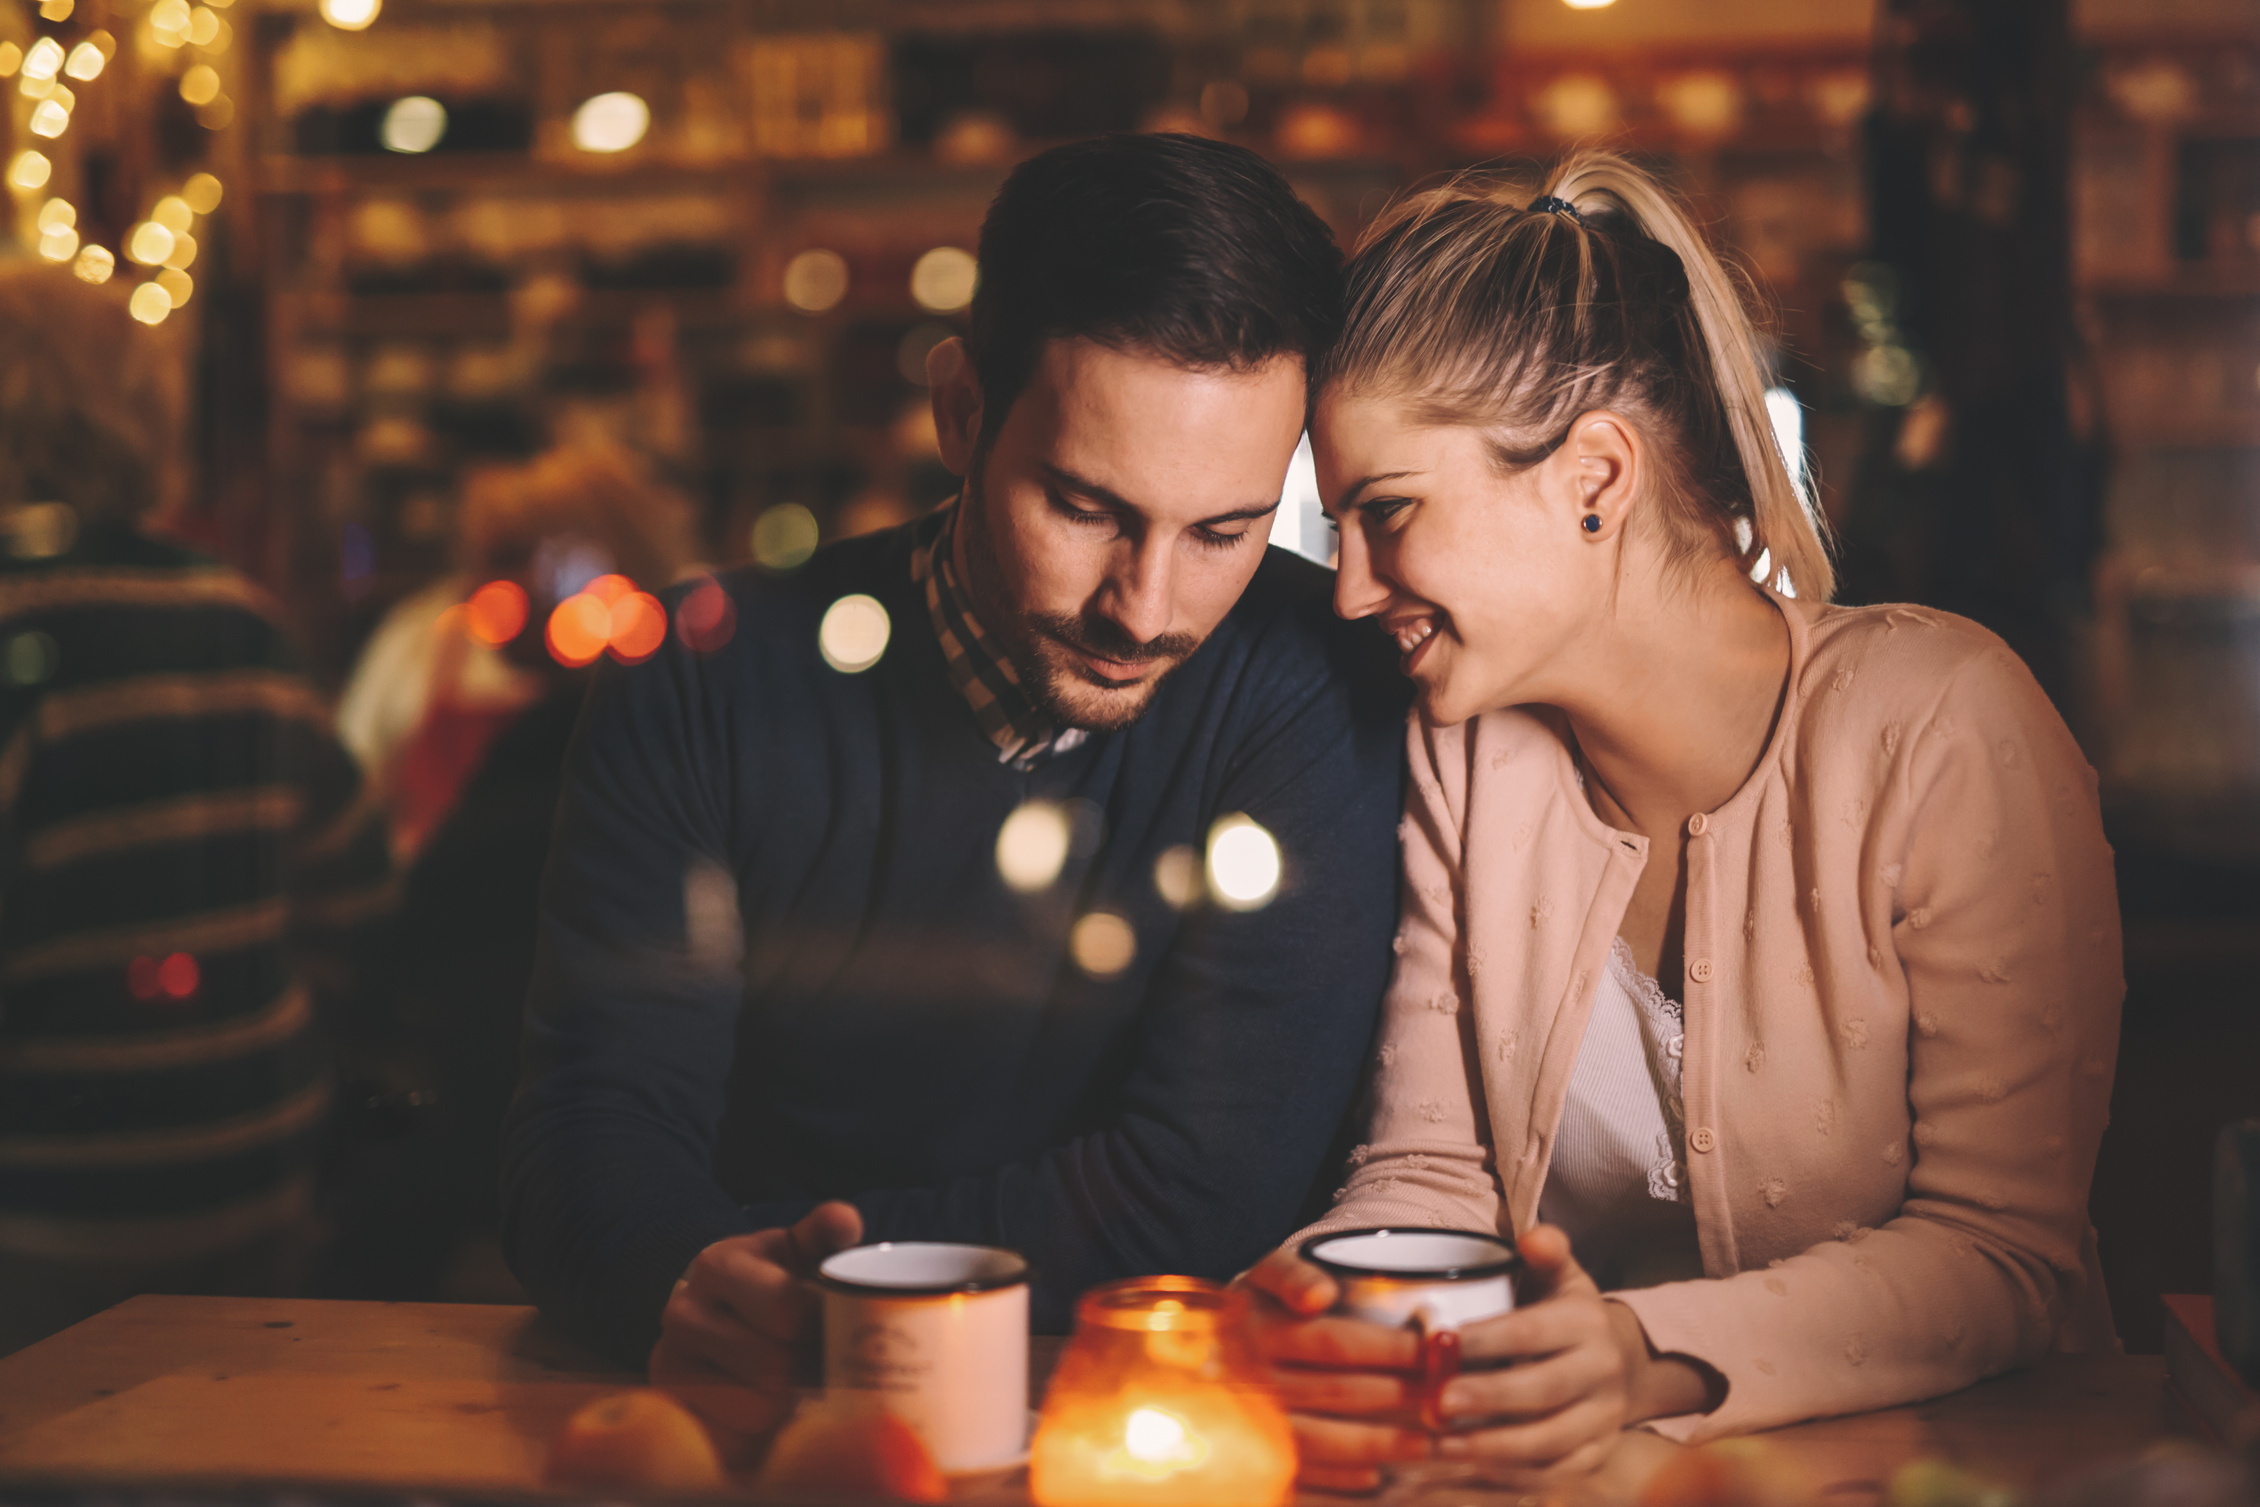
column 1481, row 578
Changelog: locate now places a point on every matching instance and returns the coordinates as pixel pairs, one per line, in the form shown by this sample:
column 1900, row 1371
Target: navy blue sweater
column 777, row 962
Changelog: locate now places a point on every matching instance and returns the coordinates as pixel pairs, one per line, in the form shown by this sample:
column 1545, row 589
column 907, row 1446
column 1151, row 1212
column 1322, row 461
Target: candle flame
column 1156, row 1443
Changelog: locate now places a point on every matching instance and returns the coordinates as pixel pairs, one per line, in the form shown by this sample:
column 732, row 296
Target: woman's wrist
column 1660, row 1386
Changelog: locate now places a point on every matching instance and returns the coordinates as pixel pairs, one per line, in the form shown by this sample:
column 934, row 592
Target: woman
column 1857, row 848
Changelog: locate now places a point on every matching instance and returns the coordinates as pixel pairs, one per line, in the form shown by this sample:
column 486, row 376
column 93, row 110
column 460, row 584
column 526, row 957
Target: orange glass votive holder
column 1160, row 1398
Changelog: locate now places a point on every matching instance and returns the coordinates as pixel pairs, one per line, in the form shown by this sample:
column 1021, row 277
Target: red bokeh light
column 178, row 975
column 497, row 612
column 707, row 618
column 639, row 627
column 579, row 630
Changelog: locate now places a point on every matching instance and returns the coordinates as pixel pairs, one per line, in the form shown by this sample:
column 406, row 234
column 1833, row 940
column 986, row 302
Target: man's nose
column 1357, row 591
column 1141, row 592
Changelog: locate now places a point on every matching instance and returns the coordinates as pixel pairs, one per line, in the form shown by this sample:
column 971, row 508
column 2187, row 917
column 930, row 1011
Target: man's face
column 1119, row 514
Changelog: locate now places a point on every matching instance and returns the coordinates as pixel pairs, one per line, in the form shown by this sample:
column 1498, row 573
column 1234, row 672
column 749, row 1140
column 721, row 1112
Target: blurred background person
column 186, row 854
column 460, row 710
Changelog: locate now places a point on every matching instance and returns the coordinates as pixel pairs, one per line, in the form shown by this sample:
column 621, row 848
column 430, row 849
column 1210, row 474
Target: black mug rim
column 1506, row 1265
column 852, row 1288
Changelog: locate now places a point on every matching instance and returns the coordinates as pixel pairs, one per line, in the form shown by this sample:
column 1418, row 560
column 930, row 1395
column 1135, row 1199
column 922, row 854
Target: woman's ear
column 1592, row 479
column 956, row 390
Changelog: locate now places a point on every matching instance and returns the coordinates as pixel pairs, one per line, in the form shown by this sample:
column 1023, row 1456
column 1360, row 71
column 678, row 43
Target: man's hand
column 1344, row 1381
column 739, row 1318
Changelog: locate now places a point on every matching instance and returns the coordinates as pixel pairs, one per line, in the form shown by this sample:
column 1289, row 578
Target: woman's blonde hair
column 601, row 495
column 1483, row 305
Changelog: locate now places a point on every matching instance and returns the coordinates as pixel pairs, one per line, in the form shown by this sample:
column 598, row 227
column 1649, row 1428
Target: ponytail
column 1517, row 311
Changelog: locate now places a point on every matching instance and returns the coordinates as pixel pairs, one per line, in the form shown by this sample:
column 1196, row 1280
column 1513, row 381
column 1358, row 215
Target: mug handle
column 1439, row 1363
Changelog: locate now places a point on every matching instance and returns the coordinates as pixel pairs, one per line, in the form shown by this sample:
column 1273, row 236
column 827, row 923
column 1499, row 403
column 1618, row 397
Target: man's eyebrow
column 1083, row 486
column 1363, row 482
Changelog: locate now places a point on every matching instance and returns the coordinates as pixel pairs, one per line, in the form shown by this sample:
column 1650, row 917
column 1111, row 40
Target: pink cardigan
column 1902, row 994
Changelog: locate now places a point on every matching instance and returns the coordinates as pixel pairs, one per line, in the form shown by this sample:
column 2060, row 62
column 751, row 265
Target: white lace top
column 1618, row 1181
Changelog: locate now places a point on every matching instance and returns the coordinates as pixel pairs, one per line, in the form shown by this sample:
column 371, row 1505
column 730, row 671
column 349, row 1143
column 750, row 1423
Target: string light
column 203, row 27
column 177, row 285
column 58, row 245
column 29, row 170
column 169, row 22
column 45, row 59
column 50, row 119
column 95, row 264
column 150, row 304
column 149, row 244
column 184, row 253
column 85, row 62
column 173, row 213
column 202, row 193
column 201, row 84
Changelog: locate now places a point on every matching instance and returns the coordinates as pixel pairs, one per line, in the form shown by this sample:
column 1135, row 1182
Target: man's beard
column 1038, row 644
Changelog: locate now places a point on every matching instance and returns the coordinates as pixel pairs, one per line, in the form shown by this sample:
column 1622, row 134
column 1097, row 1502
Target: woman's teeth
column 1413, row 635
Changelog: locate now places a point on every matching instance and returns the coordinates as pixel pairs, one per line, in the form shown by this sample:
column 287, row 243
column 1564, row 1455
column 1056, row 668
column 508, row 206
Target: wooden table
column 452, row 1397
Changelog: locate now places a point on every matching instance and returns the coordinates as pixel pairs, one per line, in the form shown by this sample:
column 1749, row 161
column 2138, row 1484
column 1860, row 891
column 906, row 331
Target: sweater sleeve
column 1249, row 1037
column 1428, row 1157
column 2006, row 930
column 607, row 1182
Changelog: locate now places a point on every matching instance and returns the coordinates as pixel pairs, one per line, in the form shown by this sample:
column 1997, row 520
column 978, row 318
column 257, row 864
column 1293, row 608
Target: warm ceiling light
column 351, row 15
column 610, row 122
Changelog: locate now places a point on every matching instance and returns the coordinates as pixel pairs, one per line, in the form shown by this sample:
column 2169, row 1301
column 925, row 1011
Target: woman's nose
column 1357, row 591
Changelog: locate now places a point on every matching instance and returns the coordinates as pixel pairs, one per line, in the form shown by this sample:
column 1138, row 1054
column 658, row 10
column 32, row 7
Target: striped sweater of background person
column 183, row 845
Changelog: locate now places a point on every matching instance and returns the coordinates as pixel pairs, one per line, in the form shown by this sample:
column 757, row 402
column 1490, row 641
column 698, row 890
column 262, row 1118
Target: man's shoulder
column 1284, row 629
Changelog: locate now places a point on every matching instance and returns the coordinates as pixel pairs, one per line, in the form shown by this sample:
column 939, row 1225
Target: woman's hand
column 1344, row 1381
column 1582, row 1370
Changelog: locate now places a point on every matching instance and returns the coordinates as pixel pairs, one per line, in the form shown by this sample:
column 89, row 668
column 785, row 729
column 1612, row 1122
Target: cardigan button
column 1701, row 1138
column 1698, row 824
column 1700, row 970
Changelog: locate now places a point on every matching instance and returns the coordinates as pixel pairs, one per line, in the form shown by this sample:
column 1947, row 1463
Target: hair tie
column 1553, row 206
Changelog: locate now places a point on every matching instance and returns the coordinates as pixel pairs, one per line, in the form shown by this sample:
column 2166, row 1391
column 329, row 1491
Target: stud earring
column 1591, row 523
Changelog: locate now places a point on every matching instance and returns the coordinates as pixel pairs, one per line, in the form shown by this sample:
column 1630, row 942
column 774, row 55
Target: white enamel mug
column 939, row 1334
column 1442, row 1278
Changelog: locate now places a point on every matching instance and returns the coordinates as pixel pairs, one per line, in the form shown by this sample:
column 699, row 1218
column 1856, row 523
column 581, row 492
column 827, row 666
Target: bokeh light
column 1177, row 875
column 1102, row 944
column 349, row 15
column 149, row 244
column 609, row 587
column 496, row 613
column 578, row 630
column 1032, row 845
column 178, row 975
column 707, row 618
column 1243, row 864
column 816, row 280
column 203, row 27
column 56, row 10
column 412, row 125
column 177, row 286
column 942, row 281
column 59, row 244
column 32, row 658
column 169, row 22
column 854, row 633
column 150, row 304
column 201, row 84
column 639, row 627
column 45, row 59
column 95, row 264
column 202, row 193
column 57, row 214
column 49, row 119
column 784, row 536
column 610, row 122
column 173, row 213
column 85, row 62
column 183, row 254
column 11, row 59
column 29, row 170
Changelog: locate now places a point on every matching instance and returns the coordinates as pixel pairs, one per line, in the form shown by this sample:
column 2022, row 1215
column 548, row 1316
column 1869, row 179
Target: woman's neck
column 1678, row 702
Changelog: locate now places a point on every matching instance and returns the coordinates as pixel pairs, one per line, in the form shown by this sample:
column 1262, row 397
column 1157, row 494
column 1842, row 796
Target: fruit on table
column 1934, row 1483
column 848, row 1445
column 1730, row 1473
column 642, row 1438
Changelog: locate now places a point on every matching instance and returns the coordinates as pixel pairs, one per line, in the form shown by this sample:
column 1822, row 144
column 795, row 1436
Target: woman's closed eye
column 1376, row 510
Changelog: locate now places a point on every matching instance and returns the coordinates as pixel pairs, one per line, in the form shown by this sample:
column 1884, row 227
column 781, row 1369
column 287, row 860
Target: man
column 819, row 928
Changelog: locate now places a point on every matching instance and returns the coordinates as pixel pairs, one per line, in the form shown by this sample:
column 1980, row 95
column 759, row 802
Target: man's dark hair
column 1194, row 250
